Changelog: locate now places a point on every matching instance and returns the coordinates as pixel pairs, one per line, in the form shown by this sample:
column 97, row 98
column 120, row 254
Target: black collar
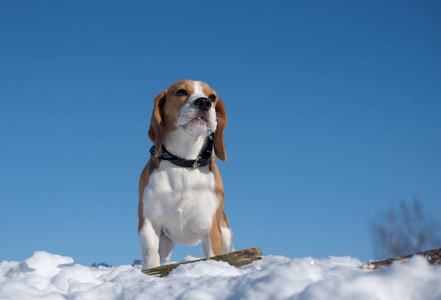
column 202, row 160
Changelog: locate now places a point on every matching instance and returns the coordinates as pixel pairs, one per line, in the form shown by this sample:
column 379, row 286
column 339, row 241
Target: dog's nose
column 203, row 104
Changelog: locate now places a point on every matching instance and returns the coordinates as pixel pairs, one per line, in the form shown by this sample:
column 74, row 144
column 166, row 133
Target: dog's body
column 181, row 198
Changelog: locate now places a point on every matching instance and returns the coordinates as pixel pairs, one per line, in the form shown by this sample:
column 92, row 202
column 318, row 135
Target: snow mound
column 49, row 276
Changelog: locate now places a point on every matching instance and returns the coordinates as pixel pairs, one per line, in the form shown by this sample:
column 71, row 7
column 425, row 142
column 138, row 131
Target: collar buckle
column 196, row 163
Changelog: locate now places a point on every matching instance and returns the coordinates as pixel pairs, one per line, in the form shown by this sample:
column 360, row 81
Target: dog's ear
column 218, row 135
column 156, row 132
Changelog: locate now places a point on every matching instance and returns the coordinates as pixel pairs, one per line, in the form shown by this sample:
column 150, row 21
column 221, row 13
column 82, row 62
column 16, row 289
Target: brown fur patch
column 151, row 165
column 216, row 237
column 219, row 218
column 218, row 135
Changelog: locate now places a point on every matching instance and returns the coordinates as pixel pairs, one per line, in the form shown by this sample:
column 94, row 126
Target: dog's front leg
column 212, row 242
column 149, row 241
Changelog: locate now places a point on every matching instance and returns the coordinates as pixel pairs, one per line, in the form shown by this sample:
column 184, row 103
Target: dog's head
column 193, row 107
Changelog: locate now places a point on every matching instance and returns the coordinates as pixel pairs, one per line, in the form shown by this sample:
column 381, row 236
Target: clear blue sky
column 334, row 115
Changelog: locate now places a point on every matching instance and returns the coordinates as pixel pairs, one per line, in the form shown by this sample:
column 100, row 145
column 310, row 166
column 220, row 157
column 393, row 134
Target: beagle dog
column 181, row 193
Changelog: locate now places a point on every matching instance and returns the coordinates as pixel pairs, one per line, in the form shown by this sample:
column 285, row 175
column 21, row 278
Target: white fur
column 166, row 246
column 149, row 241
column 180, row 202
column 182, row 145
column 227, row 240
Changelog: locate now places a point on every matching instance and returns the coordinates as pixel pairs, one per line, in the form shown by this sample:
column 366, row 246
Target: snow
column 50, row 276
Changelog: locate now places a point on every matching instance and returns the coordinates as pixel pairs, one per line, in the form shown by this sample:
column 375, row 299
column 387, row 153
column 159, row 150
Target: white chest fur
column 181, row 201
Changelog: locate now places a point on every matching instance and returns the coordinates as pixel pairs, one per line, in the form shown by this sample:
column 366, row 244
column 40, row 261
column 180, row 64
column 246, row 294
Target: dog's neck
column 185, row 146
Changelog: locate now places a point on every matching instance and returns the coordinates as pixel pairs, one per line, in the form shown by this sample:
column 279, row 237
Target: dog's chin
column 198, row 127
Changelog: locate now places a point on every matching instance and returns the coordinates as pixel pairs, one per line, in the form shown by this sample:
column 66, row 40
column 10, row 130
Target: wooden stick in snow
column 238, row 258
column 433, row 256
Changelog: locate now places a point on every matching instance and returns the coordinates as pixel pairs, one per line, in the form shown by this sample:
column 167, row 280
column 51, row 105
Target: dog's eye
column 181, row 93
column 212, row 97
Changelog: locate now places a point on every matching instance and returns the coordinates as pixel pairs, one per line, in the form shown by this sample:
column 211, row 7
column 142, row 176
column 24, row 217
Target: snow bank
column 43, row 276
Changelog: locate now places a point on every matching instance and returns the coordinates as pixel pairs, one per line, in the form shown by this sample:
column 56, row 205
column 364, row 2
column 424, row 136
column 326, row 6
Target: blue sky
column 334, row 115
